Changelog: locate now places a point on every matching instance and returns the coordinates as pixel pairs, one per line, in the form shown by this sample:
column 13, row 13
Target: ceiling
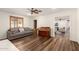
column 26, row 12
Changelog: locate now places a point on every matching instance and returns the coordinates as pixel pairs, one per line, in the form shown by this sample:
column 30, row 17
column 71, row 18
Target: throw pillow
column 21, row 29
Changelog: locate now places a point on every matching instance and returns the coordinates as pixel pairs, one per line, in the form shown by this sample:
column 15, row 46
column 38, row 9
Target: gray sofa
column 15, row 33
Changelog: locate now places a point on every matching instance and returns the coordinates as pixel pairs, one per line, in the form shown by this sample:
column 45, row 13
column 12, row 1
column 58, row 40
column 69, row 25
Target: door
column 35, row 24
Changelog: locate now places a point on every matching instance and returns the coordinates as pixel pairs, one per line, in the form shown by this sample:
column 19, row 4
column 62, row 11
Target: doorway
column 35, row 27
column 62, row 27
column 35, row 24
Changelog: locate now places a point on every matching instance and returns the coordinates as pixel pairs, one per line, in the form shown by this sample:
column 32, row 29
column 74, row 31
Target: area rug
column 6, row 45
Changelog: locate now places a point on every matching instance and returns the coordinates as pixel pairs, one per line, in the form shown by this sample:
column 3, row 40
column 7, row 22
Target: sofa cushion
column 21, row 29
column 27, row 29
column 14, row 30
column 20, row 33
column 16, row 34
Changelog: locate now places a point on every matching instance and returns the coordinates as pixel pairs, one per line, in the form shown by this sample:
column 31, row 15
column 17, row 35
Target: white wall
column 4, row 23
column 28, row 22
column 77, row 25
column 43, row 21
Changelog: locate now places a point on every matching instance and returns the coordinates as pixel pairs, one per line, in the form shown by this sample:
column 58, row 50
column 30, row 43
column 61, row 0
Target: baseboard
column 3, row 39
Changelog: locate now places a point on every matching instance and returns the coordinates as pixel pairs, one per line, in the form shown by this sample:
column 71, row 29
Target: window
column 16, row 22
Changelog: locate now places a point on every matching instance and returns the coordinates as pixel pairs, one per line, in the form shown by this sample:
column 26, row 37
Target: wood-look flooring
column 32, row 43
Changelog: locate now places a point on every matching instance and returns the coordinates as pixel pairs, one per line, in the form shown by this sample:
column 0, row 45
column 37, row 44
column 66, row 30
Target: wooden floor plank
column 43, row 45
column 48, row 47
column 32, row 43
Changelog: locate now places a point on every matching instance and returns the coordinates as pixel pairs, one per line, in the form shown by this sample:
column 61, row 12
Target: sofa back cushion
column 27, row 29
column 14, row 30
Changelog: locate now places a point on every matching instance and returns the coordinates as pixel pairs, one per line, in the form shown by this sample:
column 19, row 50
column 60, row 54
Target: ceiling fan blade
column 33, row 10
column 40, row 10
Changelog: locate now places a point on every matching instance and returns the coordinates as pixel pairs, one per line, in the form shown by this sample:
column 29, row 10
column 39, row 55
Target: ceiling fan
column 34, row 10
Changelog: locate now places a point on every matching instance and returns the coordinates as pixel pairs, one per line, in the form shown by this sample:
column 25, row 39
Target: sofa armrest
column 9, row 33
